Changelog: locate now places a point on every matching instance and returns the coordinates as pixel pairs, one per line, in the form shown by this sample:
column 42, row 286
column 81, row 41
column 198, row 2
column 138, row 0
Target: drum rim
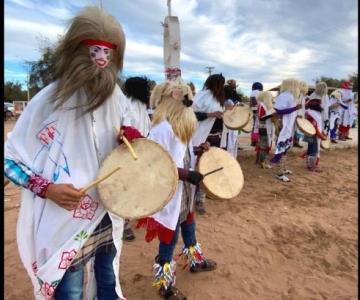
column 170, row 195
column 306, row 133
column 237, row 127
column 210, row 194
column 325, row 144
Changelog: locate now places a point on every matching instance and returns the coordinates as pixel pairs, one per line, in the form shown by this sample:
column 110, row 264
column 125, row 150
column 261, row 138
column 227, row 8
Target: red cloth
column 155, row 229
column 130, row 133
column 344, row 130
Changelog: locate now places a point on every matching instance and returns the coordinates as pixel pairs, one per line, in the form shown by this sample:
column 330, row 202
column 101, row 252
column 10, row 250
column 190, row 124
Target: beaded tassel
column 164, row 275
column 194, row 255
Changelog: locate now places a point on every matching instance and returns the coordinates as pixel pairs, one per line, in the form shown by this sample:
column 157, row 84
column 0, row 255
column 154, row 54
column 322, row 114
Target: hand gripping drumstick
column 213, row 171
column 131, row 149
column 97, row 181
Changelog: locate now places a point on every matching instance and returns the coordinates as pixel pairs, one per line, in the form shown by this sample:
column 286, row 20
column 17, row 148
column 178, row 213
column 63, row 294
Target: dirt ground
column 276, row 240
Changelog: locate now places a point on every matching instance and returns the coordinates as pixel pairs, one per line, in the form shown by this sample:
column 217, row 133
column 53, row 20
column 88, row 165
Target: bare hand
column 64, row 195
column 298, row 106
column 215, row 114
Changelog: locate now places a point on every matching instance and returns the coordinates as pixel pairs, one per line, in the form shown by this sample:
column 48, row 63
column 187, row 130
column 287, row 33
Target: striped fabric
column 100, row 241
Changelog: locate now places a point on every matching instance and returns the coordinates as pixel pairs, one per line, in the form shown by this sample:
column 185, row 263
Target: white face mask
column 100, row 55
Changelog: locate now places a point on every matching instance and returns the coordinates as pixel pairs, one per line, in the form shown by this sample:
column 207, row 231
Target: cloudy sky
column 248, row 40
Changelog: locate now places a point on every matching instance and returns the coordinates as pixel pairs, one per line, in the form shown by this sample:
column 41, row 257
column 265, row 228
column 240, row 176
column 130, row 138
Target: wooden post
column 172, row 45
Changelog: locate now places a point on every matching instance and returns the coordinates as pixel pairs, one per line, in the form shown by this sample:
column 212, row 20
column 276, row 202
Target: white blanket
column 204, row 101
column 284, row 141
column 140, row 117
column 63, row 147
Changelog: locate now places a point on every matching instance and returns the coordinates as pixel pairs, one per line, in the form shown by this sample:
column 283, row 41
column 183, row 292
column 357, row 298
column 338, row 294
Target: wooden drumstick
column 131, row 149
column 97, row 181
column 213, row 171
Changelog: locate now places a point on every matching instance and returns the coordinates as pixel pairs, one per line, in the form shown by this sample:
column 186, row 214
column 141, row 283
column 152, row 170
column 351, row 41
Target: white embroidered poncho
column 63, row 146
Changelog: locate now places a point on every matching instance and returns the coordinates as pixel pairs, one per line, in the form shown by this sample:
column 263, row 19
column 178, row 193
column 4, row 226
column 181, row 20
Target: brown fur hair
column 74, row 69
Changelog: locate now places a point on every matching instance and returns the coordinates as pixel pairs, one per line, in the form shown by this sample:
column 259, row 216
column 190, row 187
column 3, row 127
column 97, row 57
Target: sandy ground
column 276, row 240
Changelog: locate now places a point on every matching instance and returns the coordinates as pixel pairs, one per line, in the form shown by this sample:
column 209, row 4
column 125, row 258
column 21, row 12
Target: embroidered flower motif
column 47, row 290
column 66, row 259
column 34, row 267
column 86, row 208
column 47, row 134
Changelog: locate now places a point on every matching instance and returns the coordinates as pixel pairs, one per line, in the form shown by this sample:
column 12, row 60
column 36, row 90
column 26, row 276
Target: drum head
column 236, row 118
column 141, row 187
column 325, row 144
column 305, row 126
column 228, row 182
column 249, row 125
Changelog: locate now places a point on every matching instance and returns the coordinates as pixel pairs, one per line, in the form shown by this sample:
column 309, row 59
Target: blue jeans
column 71, row 285
column 188, row 235
column 312, row 146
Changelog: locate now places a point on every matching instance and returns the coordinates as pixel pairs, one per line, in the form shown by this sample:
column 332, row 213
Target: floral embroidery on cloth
column 38, row 185
column 49, row 137
column 66, row 259
column 86, row 208
column 48, row 289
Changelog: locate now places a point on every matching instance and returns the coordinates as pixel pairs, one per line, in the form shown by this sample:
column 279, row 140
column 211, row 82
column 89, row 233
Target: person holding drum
column 347, row 98
column 208, row 108
column 298, row 136
column 314, row 113
column 137, row 91
column 256, row 88
column 286, row 108
column 335, row 109
column 229, row 137
column 55, row 149
column 174, row 124
column 266, row 128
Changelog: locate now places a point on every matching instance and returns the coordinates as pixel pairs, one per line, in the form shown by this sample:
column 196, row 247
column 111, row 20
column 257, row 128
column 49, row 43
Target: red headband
column 90, row 42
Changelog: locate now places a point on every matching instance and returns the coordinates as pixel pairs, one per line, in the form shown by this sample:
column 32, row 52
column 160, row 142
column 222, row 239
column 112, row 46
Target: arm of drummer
column 319, row 134
column 201, row 116
column 129, row 132
column 64, row 195
column 287, row 110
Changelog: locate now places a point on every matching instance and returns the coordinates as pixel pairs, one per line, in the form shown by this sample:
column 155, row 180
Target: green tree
column 41, row 71
column 354, row 79
column 334, row 82
column 13, row 92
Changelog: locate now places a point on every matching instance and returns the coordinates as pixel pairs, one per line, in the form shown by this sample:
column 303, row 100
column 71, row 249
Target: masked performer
column 266, row 128
column 55, row 149
column 314, row 113
column 286, row 108
column 336, row 107
column 174, row 123
column 347, row 114
column 208, row 108
column 256, row 88
column 298, row 136
column 229, row 137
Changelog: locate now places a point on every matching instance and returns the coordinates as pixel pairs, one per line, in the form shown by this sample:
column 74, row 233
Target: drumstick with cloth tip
column 131, row 149
column 97, row 181
column 213, row 171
